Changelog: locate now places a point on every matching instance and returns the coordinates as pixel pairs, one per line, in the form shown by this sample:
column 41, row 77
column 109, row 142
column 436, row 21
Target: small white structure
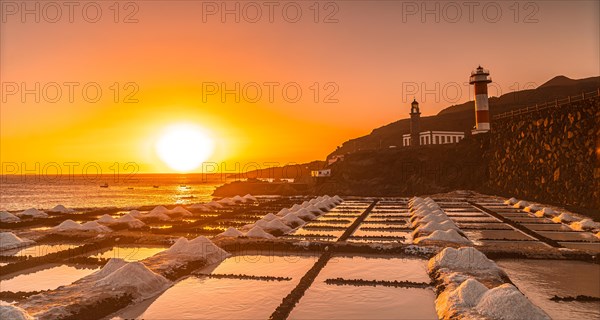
column 434, row 137
column 321, row 173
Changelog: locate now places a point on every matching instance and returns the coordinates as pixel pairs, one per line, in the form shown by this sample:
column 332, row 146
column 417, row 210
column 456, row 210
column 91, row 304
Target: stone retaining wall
column 549, row 156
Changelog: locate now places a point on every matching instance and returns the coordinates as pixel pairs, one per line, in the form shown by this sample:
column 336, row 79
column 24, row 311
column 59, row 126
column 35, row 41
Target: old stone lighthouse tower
column 415, row 128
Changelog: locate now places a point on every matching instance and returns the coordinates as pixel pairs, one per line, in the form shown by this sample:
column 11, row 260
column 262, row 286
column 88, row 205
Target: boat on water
column 154, row 186
column 105, row 185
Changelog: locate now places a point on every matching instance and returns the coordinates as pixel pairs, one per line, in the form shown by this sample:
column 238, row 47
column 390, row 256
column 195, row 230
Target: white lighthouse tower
column 479, row 79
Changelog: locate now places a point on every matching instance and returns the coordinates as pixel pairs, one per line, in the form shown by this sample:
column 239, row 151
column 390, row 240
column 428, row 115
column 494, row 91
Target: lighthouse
column 480, row 79
column 415, row 128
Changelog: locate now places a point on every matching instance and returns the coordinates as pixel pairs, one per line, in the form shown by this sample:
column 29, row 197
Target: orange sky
column 171, row 54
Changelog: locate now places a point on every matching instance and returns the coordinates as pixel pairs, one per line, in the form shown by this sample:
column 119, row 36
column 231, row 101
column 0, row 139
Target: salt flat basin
column 497, row 235
column 570, row 236
column 531, row 220
column 485, row 219
column 540, row 280
column 275, row 265
column 206, row 298
column 161, row 226
column 389, row 215
column 585, row 246
column 308, row 238
column 512, row 245
column 303, row 232
column 341, row 215
column 482, row 226
column 323, row 301
column 466, row 213
column 38, row 250
column 381, row 233
column 129, row 253
column 40, row 228
column 331, row 222
column 546, row 227
column 228, row 298
column 396, row 223
column 374, row 267
column 46, row 279
column 376, row 224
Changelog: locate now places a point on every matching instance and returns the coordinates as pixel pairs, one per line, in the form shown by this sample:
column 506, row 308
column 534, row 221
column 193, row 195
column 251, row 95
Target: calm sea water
column 23, row 192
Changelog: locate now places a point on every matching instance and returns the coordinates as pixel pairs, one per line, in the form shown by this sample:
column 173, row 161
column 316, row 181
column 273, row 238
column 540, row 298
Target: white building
column 434, row 137
column 321, row 173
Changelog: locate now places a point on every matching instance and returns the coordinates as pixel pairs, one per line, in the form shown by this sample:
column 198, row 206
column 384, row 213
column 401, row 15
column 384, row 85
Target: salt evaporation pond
column 335, row 233
column 206, row 298
column 38, row 250
column 46, row 279
column 266, row 265
column 497, row 235
column 540, row 280
column 373, row 267
column 323, row 301
column 382, row 233
column 129, row 253
column 228, row 298
column 590, row 247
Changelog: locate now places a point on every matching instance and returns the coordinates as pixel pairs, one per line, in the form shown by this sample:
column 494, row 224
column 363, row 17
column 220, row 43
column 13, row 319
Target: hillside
column 462, row 117
column 292, row 171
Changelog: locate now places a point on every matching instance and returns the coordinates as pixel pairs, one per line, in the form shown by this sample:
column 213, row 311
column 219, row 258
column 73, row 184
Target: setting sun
column 183, row 147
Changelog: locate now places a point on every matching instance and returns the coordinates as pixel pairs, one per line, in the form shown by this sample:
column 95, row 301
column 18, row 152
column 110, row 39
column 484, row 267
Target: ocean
column 20, row 192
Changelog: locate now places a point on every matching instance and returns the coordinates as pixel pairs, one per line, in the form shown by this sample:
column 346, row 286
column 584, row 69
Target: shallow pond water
column 38, row 250
column 389, row 222
column 514, row 245
column 40, row 228
column 376, row 224
column 328, row 221
column 374, row 267
column 483, row 226
column 474, row 219
column 497, row 235
column 380, row 233
column 570, row 236
column 467, row 214
column 323, row 301
column 275, row 265
column 129, row 253
column 585, row 246
column 532, row 220
column 564, row 278
column 303, row 232
column 308, row 238
column 206, row 298
column 546, row 227
column 46, row 279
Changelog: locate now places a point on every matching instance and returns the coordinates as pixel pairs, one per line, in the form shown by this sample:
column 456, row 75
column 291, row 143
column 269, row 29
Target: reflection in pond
column 539, row 283
column 323, row 301
column 209, row 298
column 46, row 279
column 38, row 250
column 130, row 253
